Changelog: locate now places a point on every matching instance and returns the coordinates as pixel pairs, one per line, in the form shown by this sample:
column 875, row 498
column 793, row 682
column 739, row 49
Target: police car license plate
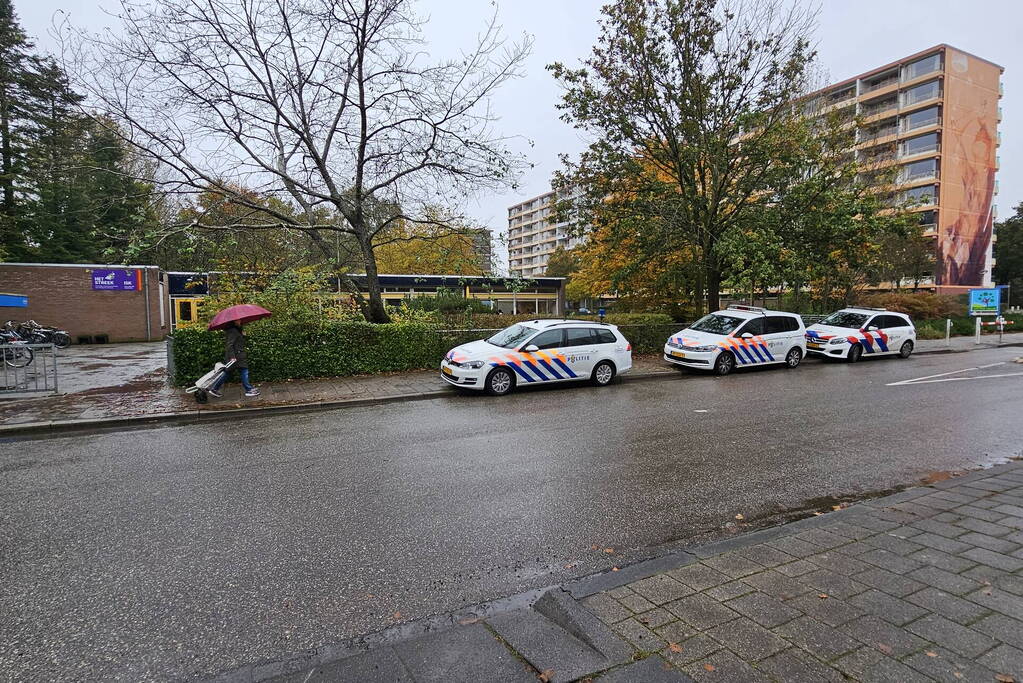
column 812, row 345
column 446, row 370
column 678, row 354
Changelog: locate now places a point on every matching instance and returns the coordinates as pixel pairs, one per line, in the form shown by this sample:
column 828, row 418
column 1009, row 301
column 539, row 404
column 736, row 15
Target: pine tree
column 15, row 76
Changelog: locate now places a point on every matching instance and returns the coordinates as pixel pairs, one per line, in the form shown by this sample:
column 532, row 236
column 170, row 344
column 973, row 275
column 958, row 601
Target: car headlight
column 707, row 347
column 837, row 340
column 474, row 364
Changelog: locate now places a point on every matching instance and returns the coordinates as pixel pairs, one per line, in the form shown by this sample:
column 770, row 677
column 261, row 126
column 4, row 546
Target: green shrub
column 918, row 305
column 331, row 349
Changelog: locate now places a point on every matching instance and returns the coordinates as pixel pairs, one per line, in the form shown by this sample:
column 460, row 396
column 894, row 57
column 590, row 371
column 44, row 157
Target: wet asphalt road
column 183, row 551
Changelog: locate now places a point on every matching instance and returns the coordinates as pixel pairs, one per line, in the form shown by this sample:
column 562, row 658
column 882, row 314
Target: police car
column 738, row 336
column 852, row 332
column 537, row 352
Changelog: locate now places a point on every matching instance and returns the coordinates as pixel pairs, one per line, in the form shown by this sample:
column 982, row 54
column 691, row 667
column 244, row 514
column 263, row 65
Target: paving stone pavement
column 924, row 585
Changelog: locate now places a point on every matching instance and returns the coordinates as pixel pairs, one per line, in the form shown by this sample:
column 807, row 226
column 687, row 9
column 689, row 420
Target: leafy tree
column 562, row 263
column 1008, row 252
column 430, row 250
column 316, row 103
column 690, row 105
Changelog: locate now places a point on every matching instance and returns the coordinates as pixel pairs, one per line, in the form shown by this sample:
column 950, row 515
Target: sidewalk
column 125, row 384
column 923, row 585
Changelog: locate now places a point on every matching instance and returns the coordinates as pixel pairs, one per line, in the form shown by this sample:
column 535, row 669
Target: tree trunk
column 375, row 311
column 713, row 275
column 6, row 151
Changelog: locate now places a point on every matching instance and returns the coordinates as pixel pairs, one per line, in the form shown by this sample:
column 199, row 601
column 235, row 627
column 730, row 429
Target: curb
column 51, row 428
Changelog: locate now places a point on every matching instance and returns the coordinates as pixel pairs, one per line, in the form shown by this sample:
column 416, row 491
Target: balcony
column 917, row 151
column 907, row 177
column 869, row 136
column 906, row 125
column 871, row 86
column 879, row 108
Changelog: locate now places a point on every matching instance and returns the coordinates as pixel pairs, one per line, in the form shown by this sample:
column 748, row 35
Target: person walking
column 234, row 350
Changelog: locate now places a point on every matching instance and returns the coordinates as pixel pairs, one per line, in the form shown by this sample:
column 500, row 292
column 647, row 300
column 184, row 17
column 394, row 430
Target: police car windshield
column 716, row 324
column 512, row 336
column 848, row 319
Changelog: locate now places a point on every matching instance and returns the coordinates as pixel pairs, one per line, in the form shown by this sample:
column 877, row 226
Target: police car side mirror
column 531, row 348
column 747, row 335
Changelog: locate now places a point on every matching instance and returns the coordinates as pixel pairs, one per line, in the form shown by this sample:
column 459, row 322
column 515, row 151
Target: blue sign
column 116, row 280
column 14, row 300
column 600, row 312
column 985, row 301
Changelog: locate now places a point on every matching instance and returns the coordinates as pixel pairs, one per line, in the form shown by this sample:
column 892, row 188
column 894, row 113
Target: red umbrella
column 242, row 313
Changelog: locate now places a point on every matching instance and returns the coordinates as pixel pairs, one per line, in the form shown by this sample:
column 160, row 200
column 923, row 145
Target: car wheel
column 906, row 349
column 499, row 382
column 603, row 373
column 793, row 357
column 855, row 353
column 724, row 364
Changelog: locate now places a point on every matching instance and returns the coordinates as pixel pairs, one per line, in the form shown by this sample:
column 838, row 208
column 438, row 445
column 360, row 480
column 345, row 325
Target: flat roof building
column 933, row 118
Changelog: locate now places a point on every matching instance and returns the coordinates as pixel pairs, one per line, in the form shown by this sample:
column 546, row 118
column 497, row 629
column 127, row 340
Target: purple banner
column 118, row 280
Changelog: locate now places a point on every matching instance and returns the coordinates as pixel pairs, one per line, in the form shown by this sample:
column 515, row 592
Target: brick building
column 100, row 302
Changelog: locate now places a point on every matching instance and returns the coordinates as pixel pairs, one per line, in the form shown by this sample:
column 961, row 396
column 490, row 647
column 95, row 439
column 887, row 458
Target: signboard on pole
column 117, row 280
column 985, row 301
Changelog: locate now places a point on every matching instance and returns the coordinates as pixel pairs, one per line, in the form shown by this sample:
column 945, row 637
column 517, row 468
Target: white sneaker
column 254, row 392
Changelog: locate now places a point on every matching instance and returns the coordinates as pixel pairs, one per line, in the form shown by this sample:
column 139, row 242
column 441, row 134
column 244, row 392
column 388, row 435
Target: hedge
column 280, row 351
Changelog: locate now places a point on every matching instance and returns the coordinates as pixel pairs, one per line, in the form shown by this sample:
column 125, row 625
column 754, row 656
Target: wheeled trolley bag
column 206, row 382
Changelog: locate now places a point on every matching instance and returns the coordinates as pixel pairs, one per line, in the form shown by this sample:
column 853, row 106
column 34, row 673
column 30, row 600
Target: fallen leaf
column 818, row 514
column 1004, row 678
column 887, row 649
column 739, row 517
column 570, row 565
column 932, row 654
column 836, row 507
column 468, row 620
column 594, row 547
column 674, row 647
column 609, row 550
column 708, row 667
column 546, row 676
column 397, row 615
column 957, row 674
column 822, row 596
column 614, row 569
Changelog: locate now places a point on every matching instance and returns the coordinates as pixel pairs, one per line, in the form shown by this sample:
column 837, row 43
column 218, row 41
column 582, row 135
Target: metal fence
column 27, row 369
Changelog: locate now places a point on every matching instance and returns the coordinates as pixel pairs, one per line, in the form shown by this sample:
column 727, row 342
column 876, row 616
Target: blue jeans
column 242, row 372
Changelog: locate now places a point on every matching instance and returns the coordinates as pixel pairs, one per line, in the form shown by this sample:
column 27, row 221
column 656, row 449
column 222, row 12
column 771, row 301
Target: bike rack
column 37, row 376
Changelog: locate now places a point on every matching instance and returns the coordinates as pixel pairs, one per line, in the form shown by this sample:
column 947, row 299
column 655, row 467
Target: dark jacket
column 234, row 347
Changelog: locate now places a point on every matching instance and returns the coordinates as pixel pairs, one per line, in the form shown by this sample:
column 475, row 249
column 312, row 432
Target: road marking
column 944, row 376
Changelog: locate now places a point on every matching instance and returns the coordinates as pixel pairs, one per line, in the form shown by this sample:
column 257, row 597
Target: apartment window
column 921, row 119
column 928, row 218
column 880, row 81
column 921, row 195
column 920, row 144
column 925, row 168
column 919, row 93
column 922, row 66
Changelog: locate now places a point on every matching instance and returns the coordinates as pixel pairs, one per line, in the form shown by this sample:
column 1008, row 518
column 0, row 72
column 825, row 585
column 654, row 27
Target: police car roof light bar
column 867, row 308
column 743, row 307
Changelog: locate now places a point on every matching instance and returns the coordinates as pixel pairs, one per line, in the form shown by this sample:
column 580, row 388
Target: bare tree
column 333, row 105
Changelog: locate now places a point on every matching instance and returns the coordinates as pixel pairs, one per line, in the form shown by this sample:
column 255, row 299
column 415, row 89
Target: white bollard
column 977, row 340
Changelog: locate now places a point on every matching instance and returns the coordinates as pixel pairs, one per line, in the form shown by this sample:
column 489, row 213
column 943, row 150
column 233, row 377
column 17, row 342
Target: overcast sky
column 853, row 37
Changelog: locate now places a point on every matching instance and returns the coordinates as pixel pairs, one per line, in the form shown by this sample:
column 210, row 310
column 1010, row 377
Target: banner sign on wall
column 14, row 300
column 985, row 301
column 117, row 280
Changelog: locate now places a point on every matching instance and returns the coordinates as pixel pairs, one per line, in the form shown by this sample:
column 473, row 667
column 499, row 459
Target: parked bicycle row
column 16, row 340
column 34, row 333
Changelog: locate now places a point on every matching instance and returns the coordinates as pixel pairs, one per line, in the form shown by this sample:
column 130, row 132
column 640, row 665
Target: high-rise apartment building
column 533, row 235
column 933, row 116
